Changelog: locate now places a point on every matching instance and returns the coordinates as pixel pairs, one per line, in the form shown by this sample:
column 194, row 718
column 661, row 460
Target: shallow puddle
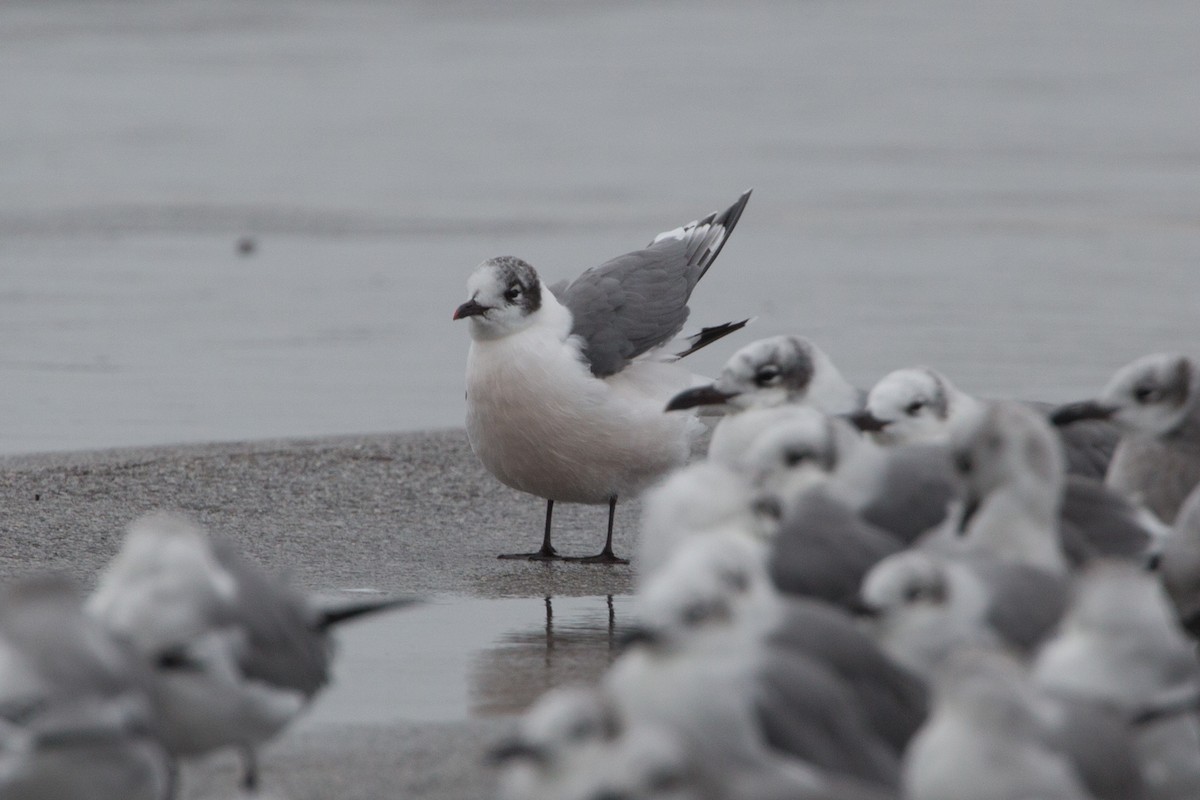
column 455, row 658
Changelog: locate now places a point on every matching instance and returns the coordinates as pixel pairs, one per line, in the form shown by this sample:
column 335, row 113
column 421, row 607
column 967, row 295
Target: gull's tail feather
column 329, row 617
column 707, row 336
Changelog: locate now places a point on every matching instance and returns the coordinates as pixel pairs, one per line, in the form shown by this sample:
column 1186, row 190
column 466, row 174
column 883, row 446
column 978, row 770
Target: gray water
column 457, row 658
column 1007, row 191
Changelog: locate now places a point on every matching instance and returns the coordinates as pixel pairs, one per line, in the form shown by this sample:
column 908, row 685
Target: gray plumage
column 638, row 301
column 893, row 700
column 1025, row 602
column 1096, row 522
column 1179, row 565
column 806, row 711
column 1088, row 446
column 824, row 549
column 916, row 485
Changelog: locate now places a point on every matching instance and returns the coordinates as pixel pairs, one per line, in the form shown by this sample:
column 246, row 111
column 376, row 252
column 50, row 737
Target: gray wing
column 824, row 550
column 894, row 700
column 1096, row 522
column 805, row 711
column 1099, row 744
column 638, row 301
column 1088, row 445
column 1026, row 602
column 918, row 485
column 283, row 644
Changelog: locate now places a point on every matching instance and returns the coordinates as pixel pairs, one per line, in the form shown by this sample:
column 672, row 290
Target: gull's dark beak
column 970, row 509
column 1077, row 412
column 469, row 309
column 861, row 609
column 515, row 749
column 867, row 422
column 699, row 396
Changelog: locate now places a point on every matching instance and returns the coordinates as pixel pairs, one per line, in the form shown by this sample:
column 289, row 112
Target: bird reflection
column 574, row 647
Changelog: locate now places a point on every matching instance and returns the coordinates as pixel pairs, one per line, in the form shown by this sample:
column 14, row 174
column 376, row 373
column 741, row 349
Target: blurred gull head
column 1153, row 395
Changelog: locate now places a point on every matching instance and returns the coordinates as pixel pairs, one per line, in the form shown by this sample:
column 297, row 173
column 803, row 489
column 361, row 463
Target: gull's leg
column 606, row 555
column 249, row 770
column 547, row 553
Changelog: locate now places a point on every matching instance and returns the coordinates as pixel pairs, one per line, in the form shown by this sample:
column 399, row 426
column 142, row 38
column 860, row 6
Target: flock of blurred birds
column 902, row 593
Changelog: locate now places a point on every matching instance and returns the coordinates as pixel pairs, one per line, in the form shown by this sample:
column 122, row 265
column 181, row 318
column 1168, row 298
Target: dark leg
column 547, row 553
column 250, row 767
column 606, row 555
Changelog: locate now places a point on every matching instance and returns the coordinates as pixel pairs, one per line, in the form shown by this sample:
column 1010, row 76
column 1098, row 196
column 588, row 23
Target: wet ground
column 419, row 694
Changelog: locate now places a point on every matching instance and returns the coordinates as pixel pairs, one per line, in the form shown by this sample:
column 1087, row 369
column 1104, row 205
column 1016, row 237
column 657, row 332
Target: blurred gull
column 562, row 733
column 1156, row 401
column 919, row 404
column 759, row 382
column 983, row 740
column 705, row 497
column 566, row 384
column 924, row 607
column 1119, row 644
column 1179, row 564
column 236, row 653
column 739, row 702
column 75, row 720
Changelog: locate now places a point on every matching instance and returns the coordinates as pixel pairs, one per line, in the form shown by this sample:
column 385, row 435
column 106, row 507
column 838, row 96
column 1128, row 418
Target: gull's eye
column 795, row 457
column 1143, row 394
column 513, row 293
column 768, row 373
column 912, row 408
column 913, row 593
column 582, row 730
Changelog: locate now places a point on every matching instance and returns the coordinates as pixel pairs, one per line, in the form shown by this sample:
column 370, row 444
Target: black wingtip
column 713, row 333
column 333, row 616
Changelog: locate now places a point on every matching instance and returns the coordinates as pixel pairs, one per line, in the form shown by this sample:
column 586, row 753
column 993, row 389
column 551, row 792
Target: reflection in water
column 524, row 663
column 454, row 658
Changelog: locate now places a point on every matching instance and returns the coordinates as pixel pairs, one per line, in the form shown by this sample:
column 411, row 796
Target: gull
column 559, row 734
column 236, row 653
column 76, row 721
column 758, row 381
column 1120, row 644
column 983, row 740
column 566, row 384
column 1156, row 402
column 1179, row 564
column 739, row 701
column 919, row 404
column 1018, row 505
column 902, row 490
column 703, row 498
column 924, row 607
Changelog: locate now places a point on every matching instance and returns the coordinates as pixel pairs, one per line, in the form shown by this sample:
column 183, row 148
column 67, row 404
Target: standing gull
column 566, row 384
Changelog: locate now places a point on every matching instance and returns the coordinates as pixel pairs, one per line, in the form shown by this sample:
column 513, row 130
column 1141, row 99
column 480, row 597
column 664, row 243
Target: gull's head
column 564, row 719
column 702, row 498
column 909, row 406
column 647, row 762
column 1008, row 446
column 505, row 294
column 765, row 373
column 906, row 580
column 704, row 589
column 1152, row 395
column 793, row 455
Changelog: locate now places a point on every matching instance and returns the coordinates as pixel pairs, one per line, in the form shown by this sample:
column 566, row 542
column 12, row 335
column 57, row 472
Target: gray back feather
column 1096, row 522
column 283, row 645
column 638, row 301
column 1027, row 602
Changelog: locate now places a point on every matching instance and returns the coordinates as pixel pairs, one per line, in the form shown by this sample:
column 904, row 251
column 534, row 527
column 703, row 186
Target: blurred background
column 244, row 220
